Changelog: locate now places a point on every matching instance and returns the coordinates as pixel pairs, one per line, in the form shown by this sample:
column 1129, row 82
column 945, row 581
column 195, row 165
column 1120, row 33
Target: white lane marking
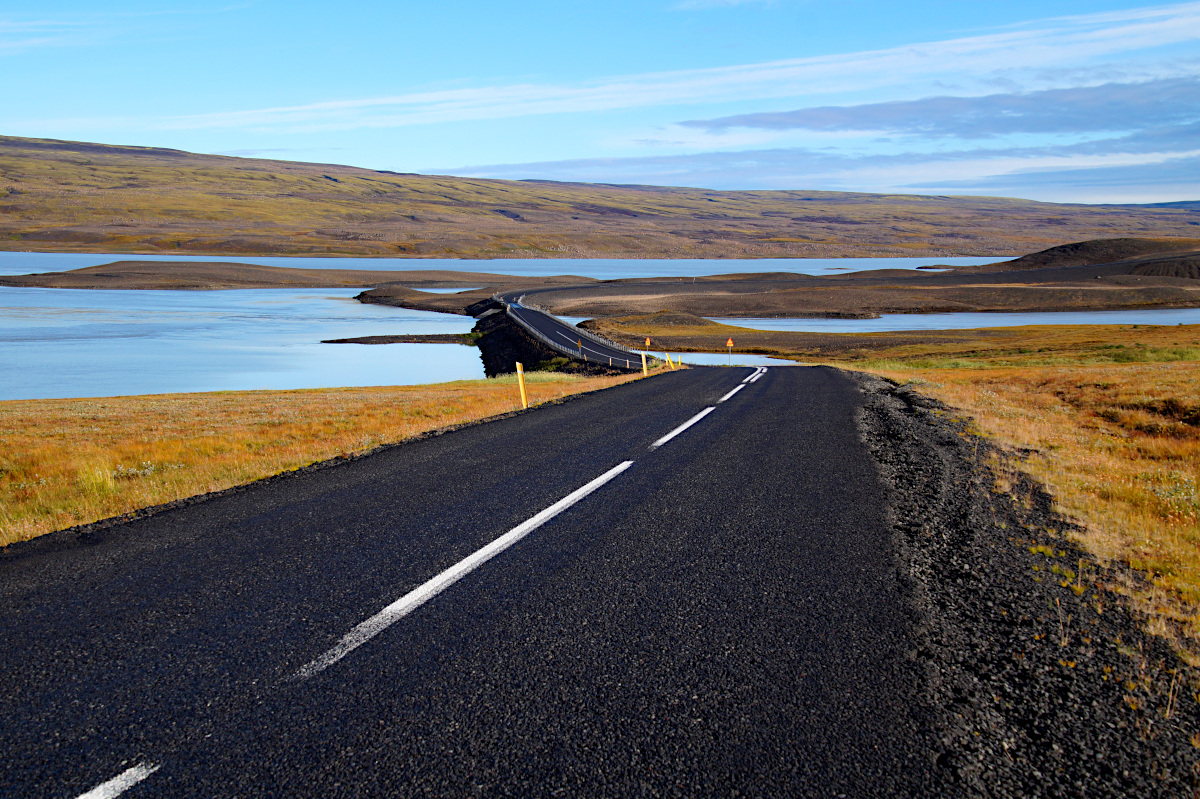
column 682, row 427
column 120, row 783
column 754, row 376
column 576, row 341
column 731, row 393
column 406, row 604
column 754, row 379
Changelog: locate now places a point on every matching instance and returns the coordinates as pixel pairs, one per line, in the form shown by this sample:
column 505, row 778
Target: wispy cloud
column 692, row 5
column 1132, row 183
column 1065, row 41
column 1109, row 107
column 19, row 36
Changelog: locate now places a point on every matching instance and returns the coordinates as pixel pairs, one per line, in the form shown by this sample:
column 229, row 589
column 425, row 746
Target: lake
column 23, row 263
column 76, row 343
column 969, row 321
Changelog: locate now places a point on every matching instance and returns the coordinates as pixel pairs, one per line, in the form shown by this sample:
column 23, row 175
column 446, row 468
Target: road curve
column 568, row 338
column 696, row 594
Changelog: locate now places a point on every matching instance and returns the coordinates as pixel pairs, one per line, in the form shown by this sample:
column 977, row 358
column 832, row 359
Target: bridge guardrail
column 594, row 337
column 553, row 345
column 537, row 334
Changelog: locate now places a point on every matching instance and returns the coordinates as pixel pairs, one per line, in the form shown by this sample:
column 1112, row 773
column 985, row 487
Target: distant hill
column 80, row 197
column 1101, row 251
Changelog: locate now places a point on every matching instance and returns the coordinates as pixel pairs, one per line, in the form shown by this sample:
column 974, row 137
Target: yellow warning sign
column 729, row 343
column 647, row 341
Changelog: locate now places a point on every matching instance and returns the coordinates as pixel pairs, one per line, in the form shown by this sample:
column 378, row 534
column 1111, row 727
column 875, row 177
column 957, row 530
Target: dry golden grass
column 74, row 461
column 1118, row 446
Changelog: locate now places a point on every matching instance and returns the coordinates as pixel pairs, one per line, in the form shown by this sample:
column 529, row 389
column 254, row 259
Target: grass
column 74, row 461
column 1114, row 434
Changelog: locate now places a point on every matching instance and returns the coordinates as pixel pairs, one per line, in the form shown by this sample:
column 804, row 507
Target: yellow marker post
column 645, row 371
column 521, row 382
column 729, row 344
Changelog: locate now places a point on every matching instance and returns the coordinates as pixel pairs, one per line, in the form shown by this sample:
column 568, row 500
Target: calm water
column 737, row 359
column 23, row 263
column 968, row 321
column 73, row 343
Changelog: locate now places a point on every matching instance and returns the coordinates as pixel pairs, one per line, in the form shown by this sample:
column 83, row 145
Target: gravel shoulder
column 1042, row 681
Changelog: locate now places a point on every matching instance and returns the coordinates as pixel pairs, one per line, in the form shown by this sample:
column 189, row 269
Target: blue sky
column 1064, row 100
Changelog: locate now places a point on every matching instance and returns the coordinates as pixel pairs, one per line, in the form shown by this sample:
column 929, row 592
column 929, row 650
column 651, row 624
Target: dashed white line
column 682, row 427
column 120, row 783
column 423, row 593
column 754, row 378
column 731, row 393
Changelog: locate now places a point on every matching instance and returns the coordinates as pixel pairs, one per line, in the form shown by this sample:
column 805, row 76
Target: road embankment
column 1044, row 680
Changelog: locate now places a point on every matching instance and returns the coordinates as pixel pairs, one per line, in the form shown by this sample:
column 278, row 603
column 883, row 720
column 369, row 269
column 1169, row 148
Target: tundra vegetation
column 80, row 197
column 1118, row 447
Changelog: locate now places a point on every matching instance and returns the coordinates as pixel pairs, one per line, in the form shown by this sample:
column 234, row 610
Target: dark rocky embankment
column 1043, row 681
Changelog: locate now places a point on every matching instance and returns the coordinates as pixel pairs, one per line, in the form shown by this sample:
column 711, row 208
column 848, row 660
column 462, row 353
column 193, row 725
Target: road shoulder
column 1044, row 682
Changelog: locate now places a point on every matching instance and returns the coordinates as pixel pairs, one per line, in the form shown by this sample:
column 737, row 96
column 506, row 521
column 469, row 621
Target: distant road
column 678, row 586
column 567, row 335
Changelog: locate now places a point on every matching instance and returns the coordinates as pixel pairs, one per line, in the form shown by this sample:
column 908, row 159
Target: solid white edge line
column 731, row 393
column 750, row 378
column 406, row 604
column 682, row 427
column 120, row 783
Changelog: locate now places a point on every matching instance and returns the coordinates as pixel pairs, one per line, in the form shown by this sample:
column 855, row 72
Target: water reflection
column 736, row 359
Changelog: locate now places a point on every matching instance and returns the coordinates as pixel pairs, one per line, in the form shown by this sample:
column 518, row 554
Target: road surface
column 679, row 586
column 566, row 335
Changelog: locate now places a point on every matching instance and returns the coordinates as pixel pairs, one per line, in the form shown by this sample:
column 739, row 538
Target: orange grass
column 74, row 461
column 1118, row 446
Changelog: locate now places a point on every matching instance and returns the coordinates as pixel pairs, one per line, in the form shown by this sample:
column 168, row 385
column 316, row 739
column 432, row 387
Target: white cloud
column 1108, row 107
column 1036, row 49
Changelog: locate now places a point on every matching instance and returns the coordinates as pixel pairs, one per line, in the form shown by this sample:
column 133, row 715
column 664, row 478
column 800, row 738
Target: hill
column 1084, row 253
column 80, row 197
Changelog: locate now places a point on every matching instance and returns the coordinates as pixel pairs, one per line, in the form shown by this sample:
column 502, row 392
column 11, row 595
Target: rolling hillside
column 79, row 197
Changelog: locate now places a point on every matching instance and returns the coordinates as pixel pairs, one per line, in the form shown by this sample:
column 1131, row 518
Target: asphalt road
column 566, row 335
column 718, row 615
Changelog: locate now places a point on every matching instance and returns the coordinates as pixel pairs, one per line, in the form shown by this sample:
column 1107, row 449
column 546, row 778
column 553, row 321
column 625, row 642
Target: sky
column 1092, row 101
